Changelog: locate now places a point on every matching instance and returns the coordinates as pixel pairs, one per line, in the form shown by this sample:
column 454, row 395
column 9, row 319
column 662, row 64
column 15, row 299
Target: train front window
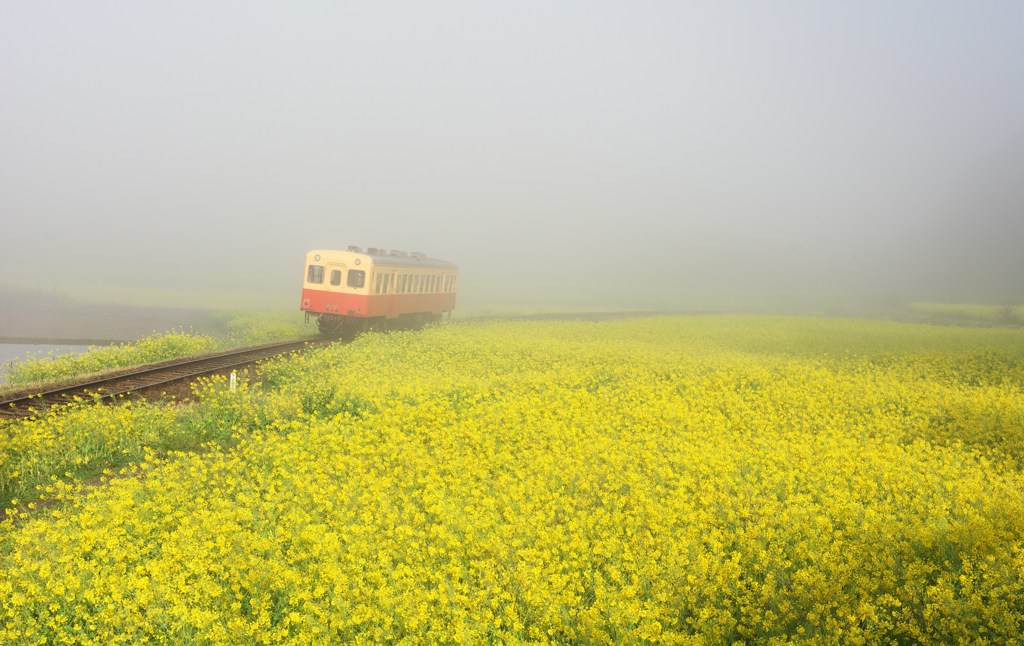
column 315, row 274
column 335, row 276
column 356, row 278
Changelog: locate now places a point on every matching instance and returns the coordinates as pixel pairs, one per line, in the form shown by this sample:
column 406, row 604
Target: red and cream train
column 353, row 291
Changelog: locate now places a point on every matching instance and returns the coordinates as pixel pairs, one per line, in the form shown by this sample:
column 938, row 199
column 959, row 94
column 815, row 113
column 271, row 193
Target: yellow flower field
column 678, row 480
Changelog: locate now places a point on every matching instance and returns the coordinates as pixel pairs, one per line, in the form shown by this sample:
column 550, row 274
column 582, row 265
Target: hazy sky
column 660, row 148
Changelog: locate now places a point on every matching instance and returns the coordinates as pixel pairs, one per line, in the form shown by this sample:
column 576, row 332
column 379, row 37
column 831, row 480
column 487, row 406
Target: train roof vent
column 374, row 251
column 418, row 255
column 398, row 253
column 354, row 248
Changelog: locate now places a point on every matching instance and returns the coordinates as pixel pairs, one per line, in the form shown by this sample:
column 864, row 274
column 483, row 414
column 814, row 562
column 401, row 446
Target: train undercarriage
column 335, row 325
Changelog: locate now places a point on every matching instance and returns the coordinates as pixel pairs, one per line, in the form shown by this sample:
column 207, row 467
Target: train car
column 354, row 290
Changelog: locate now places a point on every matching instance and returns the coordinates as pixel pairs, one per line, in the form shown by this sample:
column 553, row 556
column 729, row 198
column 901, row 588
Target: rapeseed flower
column 690, row 480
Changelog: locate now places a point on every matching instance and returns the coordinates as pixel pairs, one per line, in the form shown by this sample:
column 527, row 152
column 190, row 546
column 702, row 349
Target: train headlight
column 317, row 257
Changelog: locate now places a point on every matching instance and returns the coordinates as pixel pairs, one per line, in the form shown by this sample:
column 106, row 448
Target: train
column 357, row 290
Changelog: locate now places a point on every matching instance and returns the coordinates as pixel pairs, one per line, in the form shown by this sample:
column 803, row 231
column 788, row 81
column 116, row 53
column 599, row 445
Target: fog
column 642, row 154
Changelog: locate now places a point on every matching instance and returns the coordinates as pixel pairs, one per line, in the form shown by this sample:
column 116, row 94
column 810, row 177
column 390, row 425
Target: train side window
column 356, row 278
column 376, row 284
column 335, row 276
column 315, row 274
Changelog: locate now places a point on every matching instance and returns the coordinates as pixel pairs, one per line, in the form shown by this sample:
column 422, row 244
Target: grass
column 970, row 312
column 98, row 359
column 233, row 329
column 249, row 327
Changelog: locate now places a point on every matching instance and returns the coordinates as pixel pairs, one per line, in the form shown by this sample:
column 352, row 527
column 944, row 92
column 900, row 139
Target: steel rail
column 149, row 377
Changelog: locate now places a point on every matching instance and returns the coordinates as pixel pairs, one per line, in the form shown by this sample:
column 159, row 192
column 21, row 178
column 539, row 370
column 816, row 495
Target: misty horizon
column 640, row 155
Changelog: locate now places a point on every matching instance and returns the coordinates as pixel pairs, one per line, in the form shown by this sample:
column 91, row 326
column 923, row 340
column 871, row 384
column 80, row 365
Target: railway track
column 163, row 375
column 148, row 377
